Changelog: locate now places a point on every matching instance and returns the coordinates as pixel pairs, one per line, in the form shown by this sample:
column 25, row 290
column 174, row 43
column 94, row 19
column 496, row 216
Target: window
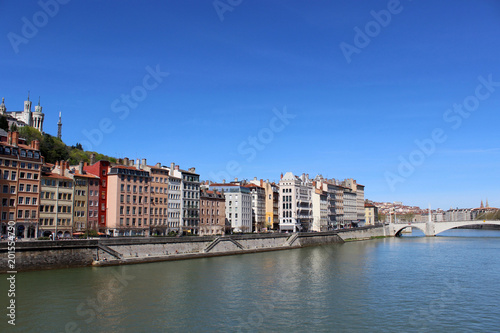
column 6, row 174
column 21, row 187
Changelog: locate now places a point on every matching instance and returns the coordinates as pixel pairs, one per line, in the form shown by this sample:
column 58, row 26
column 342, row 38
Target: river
column 448, row 283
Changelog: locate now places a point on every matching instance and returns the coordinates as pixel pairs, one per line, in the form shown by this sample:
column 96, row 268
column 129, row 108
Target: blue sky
column 229, row 78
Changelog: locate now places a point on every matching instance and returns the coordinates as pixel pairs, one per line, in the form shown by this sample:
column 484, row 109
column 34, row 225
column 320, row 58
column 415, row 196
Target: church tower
column 59, row 126
column 26, row 116
column 3, row 109
column 38, row 117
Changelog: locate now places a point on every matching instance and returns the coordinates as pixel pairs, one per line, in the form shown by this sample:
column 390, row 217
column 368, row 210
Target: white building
column 174, row 202
column 25, row 117
column 190, row 198
column 295, row 206
column 258, row 206
column 319, row 200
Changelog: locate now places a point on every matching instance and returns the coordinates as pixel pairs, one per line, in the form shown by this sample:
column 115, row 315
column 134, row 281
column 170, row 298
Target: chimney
column 92, row 158
column 158, row 165
column 125, row 161
column 281, row 175
column 35, row 144
column 172, row 165
column 261, row 183
column 131, row 162
column 80, row 168
column 193, row 170
column 85, row 164
column 177, row 167
column 223, row 181
column 143, row 162
column 235, row 179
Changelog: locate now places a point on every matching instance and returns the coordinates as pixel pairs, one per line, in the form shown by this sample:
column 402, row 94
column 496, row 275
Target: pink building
column 128, row 201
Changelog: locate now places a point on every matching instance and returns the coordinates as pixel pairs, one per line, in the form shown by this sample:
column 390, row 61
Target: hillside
column 54, row 149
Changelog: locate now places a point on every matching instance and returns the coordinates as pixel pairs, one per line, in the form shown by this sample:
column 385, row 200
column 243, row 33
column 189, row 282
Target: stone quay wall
column 38, row 255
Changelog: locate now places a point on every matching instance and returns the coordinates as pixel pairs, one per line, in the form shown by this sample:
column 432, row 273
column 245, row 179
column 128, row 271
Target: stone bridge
column 433, row 228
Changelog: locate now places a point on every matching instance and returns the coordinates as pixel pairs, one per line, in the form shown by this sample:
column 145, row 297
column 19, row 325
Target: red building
column 100, row 169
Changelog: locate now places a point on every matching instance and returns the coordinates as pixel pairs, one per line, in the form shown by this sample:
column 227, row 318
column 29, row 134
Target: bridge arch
column 398, row 230
column 440, row 227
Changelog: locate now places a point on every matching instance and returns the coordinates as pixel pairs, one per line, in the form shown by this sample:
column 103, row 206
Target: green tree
column 53, row 149
column 30, row 134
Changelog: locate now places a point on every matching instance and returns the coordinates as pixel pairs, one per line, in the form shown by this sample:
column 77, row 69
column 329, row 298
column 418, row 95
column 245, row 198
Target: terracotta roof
column 55, row 176
column 224, row 184
column 252, row 185
column 125, row 167
column 88, row 175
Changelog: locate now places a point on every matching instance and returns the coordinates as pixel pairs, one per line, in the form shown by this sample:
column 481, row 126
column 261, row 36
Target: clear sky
column 248, row 89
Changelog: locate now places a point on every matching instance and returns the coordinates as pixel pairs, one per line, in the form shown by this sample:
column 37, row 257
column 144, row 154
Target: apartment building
column 238, row 202
column 56, row 204
column 271, row 201
column 128, row 201
column 295, row 206
column 319, row 205
column 212, row 213
column 258, row 194
column 190, row 199
column 158, row 211
column 20, row 168
column 100, row 169
column 174, row 202
column 371, row 214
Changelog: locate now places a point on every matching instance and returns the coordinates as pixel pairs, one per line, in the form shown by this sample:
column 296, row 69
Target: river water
column 409, row 284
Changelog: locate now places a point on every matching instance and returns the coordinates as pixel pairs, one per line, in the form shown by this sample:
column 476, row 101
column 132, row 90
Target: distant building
column 371, row 214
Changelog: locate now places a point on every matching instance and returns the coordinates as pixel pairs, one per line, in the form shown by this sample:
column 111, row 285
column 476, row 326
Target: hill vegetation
column 54, row 149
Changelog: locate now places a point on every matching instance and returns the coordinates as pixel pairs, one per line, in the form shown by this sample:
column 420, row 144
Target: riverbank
column 39, row 255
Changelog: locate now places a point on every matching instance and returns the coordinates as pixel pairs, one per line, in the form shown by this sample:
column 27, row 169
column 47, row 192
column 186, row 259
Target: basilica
column 25, row 117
